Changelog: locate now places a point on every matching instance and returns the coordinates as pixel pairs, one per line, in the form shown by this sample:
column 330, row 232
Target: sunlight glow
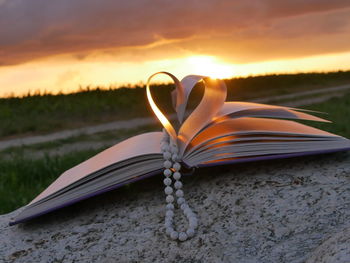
column 65, row 76
column 209, row 66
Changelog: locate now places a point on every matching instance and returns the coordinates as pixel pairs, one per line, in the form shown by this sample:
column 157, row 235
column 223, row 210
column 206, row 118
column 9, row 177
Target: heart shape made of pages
column 212, row 101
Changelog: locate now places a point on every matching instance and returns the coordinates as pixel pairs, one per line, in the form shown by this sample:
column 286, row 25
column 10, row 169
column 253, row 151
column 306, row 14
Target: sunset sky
column 60, row 45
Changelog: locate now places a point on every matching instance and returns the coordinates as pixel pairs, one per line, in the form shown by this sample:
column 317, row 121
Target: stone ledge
column 275, row 211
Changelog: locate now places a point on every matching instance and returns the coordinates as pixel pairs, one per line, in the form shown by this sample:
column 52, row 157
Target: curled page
column 238, row 109
column 213, row 99
column 161, row 117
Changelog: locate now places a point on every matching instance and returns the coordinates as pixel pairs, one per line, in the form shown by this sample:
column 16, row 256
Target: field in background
column 40, row 114
column 26, row 171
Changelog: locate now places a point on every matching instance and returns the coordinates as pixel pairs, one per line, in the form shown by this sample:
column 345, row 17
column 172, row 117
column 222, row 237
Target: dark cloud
column 33, row 29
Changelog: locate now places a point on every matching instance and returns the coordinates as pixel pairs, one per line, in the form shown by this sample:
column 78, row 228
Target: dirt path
column 329, row 92
column 325, row 93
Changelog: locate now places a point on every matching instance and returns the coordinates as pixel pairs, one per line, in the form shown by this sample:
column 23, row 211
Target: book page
column 252, row 125
column 212, row 101
column 247, row 109
column 147, row 143
column 237, row 140
column 266, row 148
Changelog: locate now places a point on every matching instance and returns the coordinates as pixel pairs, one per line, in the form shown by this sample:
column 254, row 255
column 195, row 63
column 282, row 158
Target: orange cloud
column 238, row 30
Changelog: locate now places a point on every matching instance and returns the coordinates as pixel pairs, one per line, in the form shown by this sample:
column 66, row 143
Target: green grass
column 338, row 110
column 21, row 178
column 45, row 113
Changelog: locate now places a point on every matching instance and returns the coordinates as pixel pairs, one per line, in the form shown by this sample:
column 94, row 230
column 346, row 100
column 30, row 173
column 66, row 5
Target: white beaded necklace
column 172, row 168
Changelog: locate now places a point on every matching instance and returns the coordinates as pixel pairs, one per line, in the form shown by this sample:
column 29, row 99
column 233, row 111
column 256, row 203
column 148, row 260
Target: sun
column 209, row 66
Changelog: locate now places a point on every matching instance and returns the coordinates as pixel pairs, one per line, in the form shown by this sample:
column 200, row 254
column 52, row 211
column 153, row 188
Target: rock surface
column 293, row 210
column 334, row 249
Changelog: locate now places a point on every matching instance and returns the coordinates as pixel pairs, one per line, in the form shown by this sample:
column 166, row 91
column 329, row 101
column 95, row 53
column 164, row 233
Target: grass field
column 22, row 177
column 38, row 114
column 338, row 111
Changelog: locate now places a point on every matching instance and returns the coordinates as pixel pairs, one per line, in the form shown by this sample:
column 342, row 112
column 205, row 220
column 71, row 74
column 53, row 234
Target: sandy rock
column 334, row 249
column 278, row 211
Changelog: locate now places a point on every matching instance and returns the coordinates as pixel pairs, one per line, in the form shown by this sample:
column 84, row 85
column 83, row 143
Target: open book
column 215, row 133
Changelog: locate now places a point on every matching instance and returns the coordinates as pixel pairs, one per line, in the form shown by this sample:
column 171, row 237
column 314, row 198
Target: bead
column 169, row 217
column 170, row 207
column 177, row 176
column 178, row 185
column 182, row 236
column 168, row 190
column 177, row 167
column 168, row 230
column 169, row 213
column 167, row 224
column 165, row 147
column 187, row 211
column 174, row 149
column 169, row 221
column 190, row 232
column 179, row 193
column 180, row 201
column 170, row 199
column 167, row 181
column 184, row 206
column 171, row 168
column 175, row 157
column 167, row 155
column 167, row 172
column 174, row 235
column 167, row 164
column 191, row 216
column 193, row 225
column 192, row 219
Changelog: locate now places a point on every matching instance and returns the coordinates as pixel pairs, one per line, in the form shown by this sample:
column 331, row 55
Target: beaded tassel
column 172, row 169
